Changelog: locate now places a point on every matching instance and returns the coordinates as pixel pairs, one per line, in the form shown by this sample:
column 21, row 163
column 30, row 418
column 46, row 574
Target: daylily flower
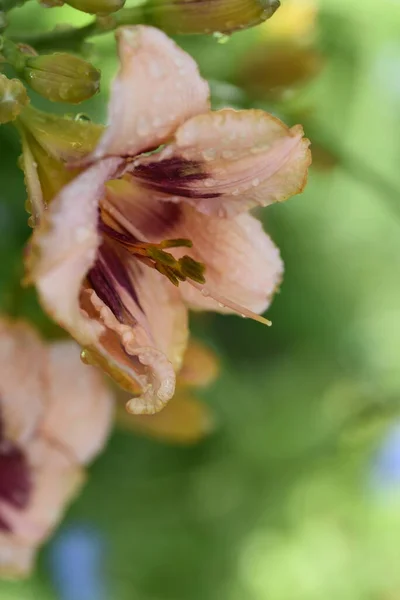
column 55, row 415
column 157, row 219
column 185, row 419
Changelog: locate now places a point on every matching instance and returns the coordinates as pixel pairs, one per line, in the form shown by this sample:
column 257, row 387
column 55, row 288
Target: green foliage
column 277, row 504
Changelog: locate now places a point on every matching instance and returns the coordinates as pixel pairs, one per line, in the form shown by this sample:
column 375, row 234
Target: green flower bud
column 13, row 98
column 61, row 77
column 97, row 7
column 201, row 16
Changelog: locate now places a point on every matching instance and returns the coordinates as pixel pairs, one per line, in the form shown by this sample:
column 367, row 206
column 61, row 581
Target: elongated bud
column 274, row 70
column 13, row 98
column 201, row 16
column 97, row 7
column 61, row 77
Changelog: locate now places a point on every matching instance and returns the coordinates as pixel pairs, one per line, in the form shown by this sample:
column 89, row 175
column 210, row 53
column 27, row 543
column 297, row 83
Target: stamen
column 153, row 254
column 241, row 310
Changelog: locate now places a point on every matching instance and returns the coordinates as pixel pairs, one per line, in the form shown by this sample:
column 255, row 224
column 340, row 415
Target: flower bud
column 61, row 77
column 271, row 71
column 97, row 7
column 49, row 144
column 13, row 98
column 202, row 16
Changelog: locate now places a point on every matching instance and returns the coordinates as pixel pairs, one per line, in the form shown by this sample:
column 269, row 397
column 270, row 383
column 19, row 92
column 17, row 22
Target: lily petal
column 80, row 406
column 22, row 362
column 142, row 353
column 157, row 89
column 64, row 246
column 228, row 161
column 242, row 263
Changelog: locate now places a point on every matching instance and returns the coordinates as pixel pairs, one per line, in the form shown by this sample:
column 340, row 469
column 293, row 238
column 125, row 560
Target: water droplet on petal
column 255, row 182
column 209, row 154
column 84, row 358
column 143, row 128
column 82, row 117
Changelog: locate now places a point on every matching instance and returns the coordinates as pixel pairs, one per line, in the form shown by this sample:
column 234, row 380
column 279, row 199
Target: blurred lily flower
column 157, row 220
column 54, row 418
column 203, row 16
column 185, row 420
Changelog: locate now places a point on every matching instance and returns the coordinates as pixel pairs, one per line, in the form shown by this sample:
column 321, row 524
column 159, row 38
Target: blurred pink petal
column 158, row 88
column 78, row 397
column 56, row 480
column 20, row 349
column 42, row 451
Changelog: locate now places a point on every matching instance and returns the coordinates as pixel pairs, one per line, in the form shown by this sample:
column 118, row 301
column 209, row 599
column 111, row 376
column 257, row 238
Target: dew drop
column 81, row 234
column 82, row 117
column 222, row 38
column 84, row 358
column 209, row 154
column 156, row 70
column 255, row 182
column 143, row 127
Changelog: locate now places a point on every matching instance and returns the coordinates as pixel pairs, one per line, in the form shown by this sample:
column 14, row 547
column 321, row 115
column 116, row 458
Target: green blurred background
column 296, row 495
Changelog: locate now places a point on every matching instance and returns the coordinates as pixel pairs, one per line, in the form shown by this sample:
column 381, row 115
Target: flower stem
column 72, row 38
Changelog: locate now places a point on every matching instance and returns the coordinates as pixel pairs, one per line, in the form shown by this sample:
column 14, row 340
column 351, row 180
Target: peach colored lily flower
column 146, row 231
column 55, row 415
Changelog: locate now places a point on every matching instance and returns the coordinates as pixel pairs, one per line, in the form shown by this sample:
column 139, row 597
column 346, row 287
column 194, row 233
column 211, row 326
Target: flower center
column 115, row 226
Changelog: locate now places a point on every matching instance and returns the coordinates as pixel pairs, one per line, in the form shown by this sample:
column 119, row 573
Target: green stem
column 72, row 38
column 68, row 38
